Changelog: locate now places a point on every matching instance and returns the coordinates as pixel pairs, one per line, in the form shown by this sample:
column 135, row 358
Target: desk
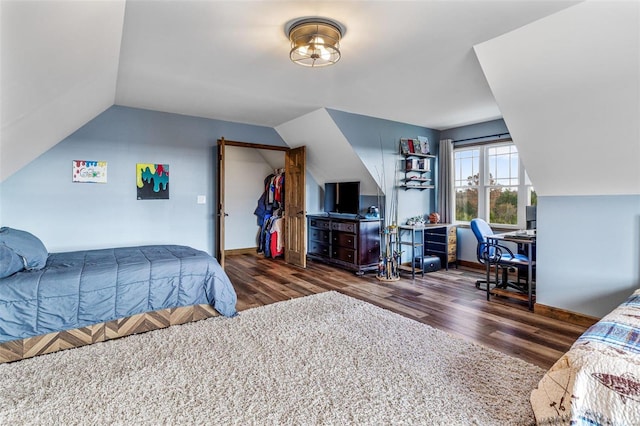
column 528, row 240
column 416, row 242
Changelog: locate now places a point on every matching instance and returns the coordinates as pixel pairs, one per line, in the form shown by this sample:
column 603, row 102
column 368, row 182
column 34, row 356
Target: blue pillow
column 26, row 245
column 10, row 262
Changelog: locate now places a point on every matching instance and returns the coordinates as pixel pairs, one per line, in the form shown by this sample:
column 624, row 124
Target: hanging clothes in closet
column 270, row 212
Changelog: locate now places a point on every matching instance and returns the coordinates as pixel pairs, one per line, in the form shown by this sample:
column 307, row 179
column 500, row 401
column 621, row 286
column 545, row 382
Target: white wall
column 79, row 43
column 245, row 171
column 569, row 88
column 330, row 157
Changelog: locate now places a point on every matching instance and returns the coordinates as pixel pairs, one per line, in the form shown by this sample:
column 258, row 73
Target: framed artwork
column 85, row 171
column 152, row 181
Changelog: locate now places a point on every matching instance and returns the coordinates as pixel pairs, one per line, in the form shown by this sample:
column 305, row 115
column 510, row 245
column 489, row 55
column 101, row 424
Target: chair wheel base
column 479, row 283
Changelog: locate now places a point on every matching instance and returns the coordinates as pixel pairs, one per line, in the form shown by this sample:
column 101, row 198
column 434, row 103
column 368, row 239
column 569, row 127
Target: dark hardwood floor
column 447, row 300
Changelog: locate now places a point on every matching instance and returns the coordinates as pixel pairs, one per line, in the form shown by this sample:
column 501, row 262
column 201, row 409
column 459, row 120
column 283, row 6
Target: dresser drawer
column 344, row 239
column 344, row 226
column 318, row 248
column 319, row 235
column 344, row 254
column 320, row 223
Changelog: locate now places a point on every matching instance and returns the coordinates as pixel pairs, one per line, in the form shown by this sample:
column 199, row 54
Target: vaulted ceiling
column 64, row 62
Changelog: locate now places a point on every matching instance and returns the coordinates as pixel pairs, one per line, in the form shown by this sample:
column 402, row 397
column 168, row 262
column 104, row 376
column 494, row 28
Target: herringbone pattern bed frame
column 47, row 343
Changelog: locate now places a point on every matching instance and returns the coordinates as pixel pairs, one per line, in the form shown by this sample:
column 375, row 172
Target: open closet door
column 295, row 251
column 295, row 231
column 221, row 212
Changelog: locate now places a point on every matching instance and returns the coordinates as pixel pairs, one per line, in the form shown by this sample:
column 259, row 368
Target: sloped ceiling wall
column 55, row 81
column 569, row 89
column 330, row 157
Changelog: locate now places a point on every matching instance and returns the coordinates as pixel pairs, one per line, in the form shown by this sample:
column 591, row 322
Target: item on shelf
column 417, row 171
column 419, row 145
column 424, row 145
column 404, row 146
column 434, row 217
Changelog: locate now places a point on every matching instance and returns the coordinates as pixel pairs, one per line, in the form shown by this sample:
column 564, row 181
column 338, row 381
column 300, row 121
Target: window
column 491, row 183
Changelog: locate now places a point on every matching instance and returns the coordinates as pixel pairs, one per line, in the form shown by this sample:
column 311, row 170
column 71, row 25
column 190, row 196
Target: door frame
column 220, row 200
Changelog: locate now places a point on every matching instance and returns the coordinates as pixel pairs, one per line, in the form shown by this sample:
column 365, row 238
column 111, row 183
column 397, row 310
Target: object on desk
column 434, row 217
column 523, row 235
column 531, row 213
column 415, row 221
column 429, row 263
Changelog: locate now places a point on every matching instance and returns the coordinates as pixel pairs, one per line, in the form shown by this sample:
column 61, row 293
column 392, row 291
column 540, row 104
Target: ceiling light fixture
column 315, row 42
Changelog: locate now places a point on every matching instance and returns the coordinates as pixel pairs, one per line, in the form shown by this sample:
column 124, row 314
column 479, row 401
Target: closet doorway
column 294, row 202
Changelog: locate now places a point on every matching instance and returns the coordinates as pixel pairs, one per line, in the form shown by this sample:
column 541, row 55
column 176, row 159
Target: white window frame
column 524, row 186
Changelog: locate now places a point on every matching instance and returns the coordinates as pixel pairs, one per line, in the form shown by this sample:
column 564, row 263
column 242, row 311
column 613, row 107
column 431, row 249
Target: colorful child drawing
column 89, row 171
column 152, row 181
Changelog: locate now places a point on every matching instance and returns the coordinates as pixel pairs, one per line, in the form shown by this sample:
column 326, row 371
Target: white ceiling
column 408, row 61
column 65, row 61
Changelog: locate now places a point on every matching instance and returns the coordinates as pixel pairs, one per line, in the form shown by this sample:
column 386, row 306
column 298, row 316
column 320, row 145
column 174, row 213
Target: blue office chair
column 495, row 255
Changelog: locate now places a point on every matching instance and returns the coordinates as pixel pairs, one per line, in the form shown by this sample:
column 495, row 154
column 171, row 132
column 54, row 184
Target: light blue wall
column 588, row 251
column 42, row 199
column 371, row 138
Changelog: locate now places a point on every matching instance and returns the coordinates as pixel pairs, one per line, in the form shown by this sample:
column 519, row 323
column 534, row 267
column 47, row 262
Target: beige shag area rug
column 321, row 359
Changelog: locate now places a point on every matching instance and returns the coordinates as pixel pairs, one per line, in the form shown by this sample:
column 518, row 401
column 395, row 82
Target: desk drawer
column 442, row 238
column 435, row 247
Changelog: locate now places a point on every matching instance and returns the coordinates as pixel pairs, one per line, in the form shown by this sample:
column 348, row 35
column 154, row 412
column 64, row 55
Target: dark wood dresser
column 352, row 244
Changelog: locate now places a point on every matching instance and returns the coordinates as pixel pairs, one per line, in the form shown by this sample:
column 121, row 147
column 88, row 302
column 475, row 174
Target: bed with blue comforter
column 68, row 291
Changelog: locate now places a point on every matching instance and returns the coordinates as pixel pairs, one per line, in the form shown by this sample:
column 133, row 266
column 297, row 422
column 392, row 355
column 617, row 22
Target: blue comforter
column 76, row 289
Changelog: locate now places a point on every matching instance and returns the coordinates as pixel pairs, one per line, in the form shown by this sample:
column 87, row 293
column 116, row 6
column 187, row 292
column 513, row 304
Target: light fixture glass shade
column 315, row 42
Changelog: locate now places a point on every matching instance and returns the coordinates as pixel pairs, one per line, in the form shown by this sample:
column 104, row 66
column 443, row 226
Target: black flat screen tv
column 342, row 197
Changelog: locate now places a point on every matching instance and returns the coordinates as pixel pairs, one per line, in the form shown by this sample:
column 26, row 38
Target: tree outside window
column 467, row 163
column 502, row 181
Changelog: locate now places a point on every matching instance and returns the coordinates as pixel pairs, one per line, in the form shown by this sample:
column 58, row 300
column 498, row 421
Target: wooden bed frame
column 16, row 350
